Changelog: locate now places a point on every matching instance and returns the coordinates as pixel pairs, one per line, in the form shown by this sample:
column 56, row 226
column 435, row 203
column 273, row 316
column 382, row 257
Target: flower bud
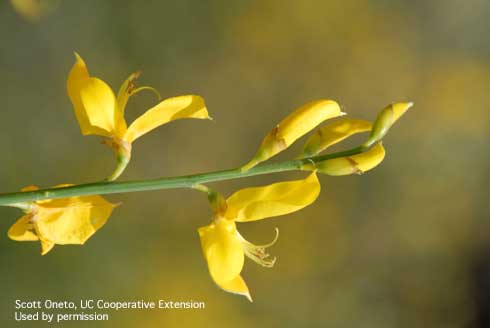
column 386, row 118
column 333, row 133
column 357, row 164
column 294, row 126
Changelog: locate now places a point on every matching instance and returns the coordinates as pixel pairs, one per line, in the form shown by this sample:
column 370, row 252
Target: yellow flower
column 293, row 127
column 63, row 221
column 99, row 112
column 225, row 249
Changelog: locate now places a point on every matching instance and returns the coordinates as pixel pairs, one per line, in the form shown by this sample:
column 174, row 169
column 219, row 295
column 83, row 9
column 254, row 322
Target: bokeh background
column 405, row 245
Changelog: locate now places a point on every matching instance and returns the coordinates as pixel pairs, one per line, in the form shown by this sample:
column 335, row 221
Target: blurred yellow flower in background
column 34, row 10
column 225, row 249
column 62, row 221
column 99, row 112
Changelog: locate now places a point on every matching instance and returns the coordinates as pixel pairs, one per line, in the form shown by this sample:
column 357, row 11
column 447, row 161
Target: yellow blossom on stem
column 223, row 246
column 293, row 127
column 100, row 112
column 61, row 221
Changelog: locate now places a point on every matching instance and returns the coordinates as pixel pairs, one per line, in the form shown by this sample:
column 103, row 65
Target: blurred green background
column 405, row 245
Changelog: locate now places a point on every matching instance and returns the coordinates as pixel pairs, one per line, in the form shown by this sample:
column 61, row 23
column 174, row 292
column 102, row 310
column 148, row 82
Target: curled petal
column 168, row 110
column 280, row 198
column 355, row 164
column 236, row 286
column 222, row 250
column 294, row 126
column 94, row 103
column 333, row 133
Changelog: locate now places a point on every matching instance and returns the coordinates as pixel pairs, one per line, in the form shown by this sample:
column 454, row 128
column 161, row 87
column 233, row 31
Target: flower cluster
column 99, row 112
column 73, row 220
column 223, row 246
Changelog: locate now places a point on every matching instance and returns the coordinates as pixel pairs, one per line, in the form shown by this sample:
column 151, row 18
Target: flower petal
column 46, row 246
column 94, row 103
column 237, row 286
column 306, row 118
column 281, row 198
column 168, row 110
column 333, row 133
column 22, row 230
column 72, row 220
column 294, row 126
column 222, row 250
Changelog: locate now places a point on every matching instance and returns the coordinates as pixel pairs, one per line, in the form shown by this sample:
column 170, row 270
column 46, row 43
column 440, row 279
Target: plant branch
column 186, row 181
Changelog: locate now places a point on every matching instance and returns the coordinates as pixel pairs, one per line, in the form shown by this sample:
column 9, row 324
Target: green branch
column 186, row 181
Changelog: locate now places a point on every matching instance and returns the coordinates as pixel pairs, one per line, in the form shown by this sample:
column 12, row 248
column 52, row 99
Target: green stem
column 187, row 181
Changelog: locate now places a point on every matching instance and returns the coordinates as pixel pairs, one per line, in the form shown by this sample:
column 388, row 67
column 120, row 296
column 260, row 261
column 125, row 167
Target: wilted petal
column 333, row 133
column 222, row 250
column 168, row 110
column 280, row 198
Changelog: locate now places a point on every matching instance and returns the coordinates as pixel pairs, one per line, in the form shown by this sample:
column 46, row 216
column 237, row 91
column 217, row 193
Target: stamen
column 257, row 253
column 136, row 90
